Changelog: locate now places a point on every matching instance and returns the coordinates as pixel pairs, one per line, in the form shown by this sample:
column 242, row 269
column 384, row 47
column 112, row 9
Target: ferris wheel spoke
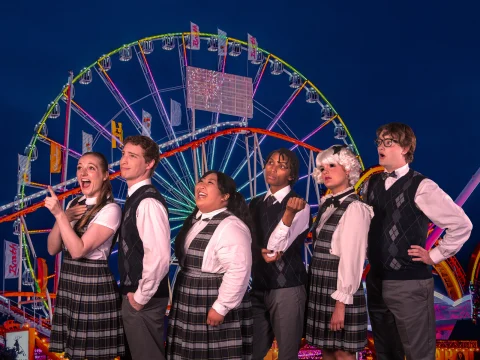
column 273, row 123
column 101, row 130
column 259, row 76
column 221, row 62
column 48, row 141
column 162, row 112
column 233, row 141
column 283, row 109
column 183, row 63
column 102, row 73
column 172, row 189
column 244, row 161
column 136, row 121
column 320, row 127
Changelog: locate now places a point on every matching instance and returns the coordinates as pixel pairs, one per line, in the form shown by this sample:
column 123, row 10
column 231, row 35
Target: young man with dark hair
column 400, row 283
column 281, row 219
column 144, row 251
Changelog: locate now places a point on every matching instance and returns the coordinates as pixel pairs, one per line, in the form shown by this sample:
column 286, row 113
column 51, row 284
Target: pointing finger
column 52, row 193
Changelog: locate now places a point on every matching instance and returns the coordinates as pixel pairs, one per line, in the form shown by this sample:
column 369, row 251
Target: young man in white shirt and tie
column 399, row 283
column 144, row 251
column 281, row 220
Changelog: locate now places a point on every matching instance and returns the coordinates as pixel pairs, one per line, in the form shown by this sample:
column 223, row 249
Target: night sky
column 376, row 62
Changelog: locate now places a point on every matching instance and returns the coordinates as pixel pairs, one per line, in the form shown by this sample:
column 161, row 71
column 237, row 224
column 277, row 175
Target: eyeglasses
column 386, row 142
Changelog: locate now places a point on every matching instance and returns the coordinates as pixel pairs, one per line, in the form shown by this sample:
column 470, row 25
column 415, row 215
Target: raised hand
column 52, row 203
column 295, row 205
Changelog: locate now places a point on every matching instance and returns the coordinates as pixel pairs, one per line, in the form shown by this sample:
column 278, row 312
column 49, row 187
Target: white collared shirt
column 228, row 252
column 349, row 242
column 154, row 230
column 109, row 216
column 283, row 236
column 443, row 212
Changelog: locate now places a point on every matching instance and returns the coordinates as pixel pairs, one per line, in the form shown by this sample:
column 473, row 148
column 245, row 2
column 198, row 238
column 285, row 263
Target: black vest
column 398, row 223
column 130, row 246
column 289, row 271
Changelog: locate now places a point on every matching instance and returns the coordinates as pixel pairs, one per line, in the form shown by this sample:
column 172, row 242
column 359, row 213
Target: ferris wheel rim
column 203, row 36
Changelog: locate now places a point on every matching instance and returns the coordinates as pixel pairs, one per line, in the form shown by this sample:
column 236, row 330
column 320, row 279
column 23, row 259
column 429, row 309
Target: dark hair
column 150, row 148
column 236, row 205
column 293, row 162
column 106, row 192
column 403, row 134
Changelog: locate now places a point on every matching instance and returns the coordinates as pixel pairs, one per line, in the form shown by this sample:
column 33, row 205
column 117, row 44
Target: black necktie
column 84, row 202
column 386, row 175
column 335, row 200
column 270, row 200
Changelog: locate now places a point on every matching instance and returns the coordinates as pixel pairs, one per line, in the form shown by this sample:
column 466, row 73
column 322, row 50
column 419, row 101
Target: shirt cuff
column 342, row 297
column 281, row 231
column 436, row 255
column 141, row 299
column 219, row 308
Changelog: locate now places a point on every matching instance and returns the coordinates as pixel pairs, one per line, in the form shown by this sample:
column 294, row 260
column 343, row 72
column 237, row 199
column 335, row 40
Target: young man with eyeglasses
column 400, row 283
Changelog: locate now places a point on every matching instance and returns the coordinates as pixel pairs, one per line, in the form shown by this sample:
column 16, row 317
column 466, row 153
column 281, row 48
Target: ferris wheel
column 172, row 88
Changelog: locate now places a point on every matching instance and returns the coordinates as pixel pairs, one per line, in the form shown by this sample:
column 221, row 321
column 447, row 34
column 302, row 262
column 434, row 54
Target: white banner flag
column 222, row 43
column 147, row 123
column 23, row 169
column 87, row 142
column 11, row 253
column 252, row 47
column 194, row 36
column 175, row 113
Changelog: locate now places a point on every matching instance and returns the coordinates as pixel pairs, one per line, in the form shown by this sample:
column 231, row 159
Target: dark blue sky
column 377, row 61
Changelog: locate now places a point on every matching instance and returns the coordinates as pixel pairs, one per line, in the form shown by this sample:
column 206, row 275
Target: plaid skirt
column 323, row 275
column 87, row 320
column 189, row 336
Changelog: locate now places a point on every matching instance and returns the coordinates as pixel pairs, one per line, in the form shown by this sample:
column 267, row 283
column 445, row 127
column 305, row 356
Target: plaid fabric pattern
column 87, row 322
column 323, row 274
column 189, row 336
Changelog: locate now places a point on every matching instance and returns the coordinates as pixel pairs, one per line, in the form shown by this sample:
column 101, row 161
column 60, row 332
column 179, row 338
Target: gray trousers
column 402, row 317
column 278, row 313
column 144, row 329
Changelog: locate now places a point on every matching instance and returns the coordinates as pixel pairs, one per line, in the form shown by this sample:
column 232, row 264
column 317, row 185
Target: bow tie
column 84, row 202
column 335, row 200
column 195, row 220
column 386, row 175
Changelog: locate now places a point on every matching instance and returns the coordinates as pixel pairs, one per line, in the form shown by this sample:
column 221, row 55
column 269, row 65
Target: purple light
column 96, row 122
column 308, row 136
column 464, row 195
column 282, row 112
column 124, row 101
column 156, row 89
